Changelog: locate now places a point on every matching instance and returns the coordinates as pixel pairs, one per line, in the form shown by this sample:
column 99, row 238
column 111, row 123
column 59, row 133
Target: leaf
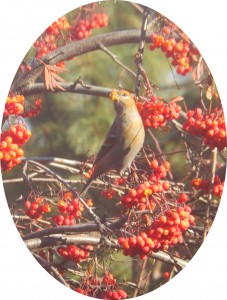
column 194, row 74
column 56, row 69
column 57, row 77
column 197, row 72
column 52, row 79
column 209, row 92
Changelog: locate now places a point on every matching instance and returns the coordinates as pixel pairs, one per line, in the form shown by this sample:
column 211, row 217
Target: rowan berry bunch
column 205, row 185
column 61, row 31
column 34, row 109
column 181, row 51
column 73, row 253
column 159, row 170
column 142, row 196
column 102, row 288
column 11, row 140
column 19, row 134
column 209, row 126
column 167, row 230
column 70, row 209
column 83, row 28
column 108, row 193
column 157, row 112
column 14, row 106
column 51, row 38
column 36, row 208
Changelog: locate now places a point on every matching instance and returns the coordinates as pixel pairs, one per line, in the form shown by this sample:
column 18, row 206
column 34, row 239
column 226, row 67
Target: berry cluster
column 156, row 112
column 24, row 67
column 73, row 253
column 14, row 106
column 159, row 170
column 211, row 127
column 204, row 184
column 34, row 110
column 10, row 152
column 70, row 208
column 61, row 31
column 180, row 51
column 19, row 134
column 141, row 196
column 102, row 288
column 116, row 294
column 164, row 232
column 58, row 26
column 108, row 193
column 35, row 210
column 113, row 295
column 83, row 27
column 48, row 41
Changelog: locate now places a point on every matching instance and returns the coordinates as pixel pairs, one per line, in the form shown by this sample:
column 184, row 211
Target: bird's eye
column 124, row 94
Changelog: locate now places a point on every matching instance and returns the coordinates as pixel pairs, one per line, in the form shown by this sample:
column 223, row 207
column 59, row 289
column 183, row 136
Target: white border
column 20, row 24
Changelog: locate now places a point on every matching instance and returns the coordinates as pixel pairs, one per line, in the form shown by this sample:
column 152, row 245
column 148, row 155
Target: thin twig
column 139, row 54
column 207, row 212
column 141, row 277
column 114, row 57
column 64, row 161
column 157, row 146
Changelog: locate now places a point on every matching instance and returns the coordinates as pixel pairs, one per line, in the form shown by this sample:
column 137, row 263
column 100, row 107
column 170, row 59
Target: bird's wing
column 110, row 141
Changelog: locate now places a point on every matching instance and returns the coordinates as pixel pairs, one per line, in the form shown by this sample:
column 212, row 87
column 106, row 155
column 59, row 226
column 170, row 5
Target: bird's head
column 123, row 100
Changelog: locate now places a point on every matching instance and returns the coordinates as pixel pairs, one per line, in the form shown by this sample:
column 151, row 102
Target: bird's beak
column 114, row 95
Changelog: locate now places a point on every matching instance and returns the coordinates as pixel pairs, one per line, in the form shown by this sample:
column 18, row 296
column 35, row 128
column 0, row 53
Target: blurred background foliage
column 73, row 126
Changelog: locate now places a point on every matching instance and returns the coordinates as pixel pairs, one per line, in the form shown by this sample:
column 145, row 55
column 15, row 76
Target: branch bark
column 69, row 87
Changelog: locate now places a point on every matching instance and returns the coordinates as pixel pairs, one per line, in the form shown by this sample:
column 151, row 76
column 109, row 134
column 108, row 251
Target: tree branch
column 75, row 49
column 77, row 228
column 59, row 240
column 139, row 54
column 69, row 87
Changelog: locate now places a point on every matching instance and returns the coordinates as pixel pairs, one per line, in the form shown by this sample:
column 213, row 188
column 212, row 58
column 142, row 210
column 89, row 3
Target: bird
column 123, row 141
